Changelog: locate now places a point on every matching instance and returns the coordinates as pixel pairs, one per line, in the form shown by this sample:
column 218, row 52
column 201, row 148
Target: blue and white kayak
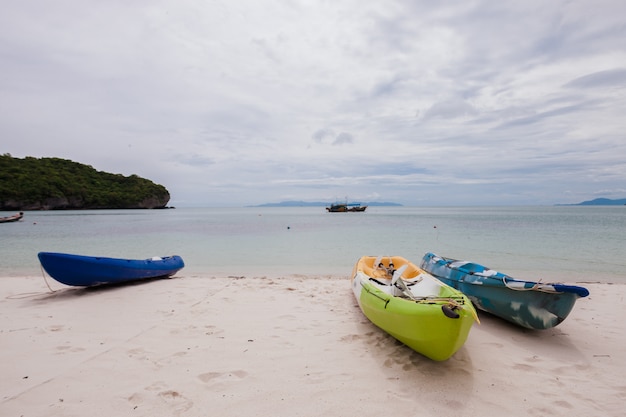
column 85, row 271
column 529, row 304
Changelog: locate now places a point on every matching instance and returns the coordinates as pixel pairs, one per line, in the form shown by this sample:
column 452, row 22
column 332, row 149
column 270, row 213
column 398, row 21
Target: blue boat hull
column 85, row 271
column 529, row 304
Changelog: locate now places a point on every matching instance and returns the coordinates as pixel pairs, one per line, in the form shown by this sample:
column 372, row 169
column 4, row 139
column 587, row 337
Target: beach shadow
column 417, row 378
column 553, row 343
column 67, row 292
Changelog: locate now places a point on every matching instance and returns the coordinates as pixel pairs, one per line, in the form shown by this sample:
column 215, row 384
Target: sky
column 245, row 102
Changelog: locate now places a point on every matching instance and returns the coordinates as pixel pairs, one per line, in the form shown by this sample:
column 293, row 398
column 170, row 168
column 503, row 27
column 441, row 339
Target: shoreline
column 287, row 345
column 577, row 278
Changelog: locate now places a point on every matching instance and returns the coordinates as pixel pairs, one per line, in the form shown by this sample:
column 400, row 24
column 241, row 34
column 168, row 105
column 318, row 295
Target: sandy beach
column 287, row 346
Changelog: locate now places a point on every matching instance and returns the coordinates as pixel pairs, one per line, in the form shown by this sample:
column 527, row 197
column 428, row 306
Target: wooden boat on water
column 13, row 218
column 529, row 304
column 411, row 305
column 85, row 271
column 345, row 208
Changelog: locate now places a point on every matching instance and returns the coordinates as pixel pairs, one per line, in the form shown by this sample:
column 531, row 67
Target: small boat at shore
column 13, row 218
column 529, row 304
column 85, row 271
column 345, row 208
column 411, row 305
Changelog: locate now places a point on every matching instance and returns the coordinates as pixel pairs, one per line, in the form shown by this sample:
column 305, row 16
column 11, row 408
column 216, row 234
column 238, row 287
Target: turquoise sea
column 551, row 243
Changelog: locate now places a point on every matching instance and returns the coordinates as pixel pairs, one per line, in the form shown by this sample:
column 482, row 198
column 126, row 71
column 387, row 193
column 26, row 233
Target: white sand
column 292, row 346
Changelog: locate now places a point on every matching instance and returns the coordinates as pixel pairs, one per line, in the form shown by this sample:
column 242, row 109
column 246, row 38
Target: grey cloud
column 194, row 160
column 343, row 138
column 327, row 135
column 542, row 116
column 450, row 109
column 505, row 92
column 322, row 134
column 601, row 79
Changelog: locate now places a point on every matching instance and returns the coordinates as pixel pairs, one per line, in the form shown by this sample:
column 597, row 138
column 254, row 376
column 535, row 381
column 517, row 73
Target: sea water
column 549, row 243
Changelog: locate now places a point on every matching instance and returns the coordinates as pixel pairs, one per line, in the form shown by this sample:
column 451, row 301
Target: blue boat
column 529, row 304
column 85, row 271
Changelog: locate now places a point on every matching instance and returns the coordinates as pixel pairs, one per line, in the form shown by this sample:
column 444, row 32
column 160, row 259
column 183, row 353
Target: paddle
column 377, row 262
column 399, row 283
column 397, row 274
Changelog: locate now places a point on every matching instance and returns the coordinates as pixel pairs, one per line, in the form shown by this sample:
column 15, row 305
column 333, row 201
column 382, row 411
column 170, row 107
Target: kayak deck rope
column 459, row 300
column 31, row 294
column 43, row 274
column 535, row 287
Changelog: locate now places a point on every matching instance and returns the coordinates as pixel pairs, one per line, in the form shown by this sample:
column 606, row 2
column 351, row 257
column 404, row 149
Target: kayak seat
column 426, row 288
column 379, row 282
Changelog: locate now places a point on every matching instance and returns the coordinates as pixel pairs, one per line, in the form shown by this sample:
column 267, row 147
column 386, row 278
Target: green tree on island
column 55, row 183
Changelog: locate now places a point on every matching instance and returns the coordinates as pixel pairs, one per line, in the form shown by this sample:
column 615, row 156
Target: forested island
column 60, row 184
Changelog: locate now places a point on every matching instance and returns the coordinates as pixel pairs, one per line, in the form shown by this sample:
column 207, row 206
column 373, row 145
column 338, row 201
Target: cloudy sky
column 244, row 102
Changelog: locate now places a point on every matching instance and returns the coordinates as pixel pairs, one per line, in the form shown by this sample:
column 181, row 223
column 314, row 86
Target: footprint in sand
column 156, row 386
column 179, row 402
column 564, row 404
column 217, row 377
column 187, row 329
column 523, row 367
column 212, row 330
column 68, row 349
column 351, row 338
column 136, row 399
column 371, row 338
column 138, row 354
column 494, row 344
column 404, row 358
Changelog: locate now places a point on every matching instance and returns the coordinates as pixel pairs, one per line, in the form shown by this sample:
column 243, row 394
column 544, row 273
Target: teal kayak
column 530, row 304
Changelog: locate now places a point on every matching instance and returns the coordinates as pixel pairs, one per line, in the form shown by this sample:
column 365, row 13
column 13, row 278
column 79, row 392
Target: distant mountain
column 600, row 202
column 321, row 204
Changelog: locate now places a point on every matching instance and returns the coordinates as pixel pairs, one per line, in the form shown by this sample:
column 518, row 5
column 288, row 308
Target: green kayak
column 411, row 305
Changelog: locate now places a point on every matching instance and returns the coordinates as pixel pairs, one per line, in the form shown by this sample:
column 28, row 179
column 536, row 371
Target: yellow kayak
column 411, row 305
